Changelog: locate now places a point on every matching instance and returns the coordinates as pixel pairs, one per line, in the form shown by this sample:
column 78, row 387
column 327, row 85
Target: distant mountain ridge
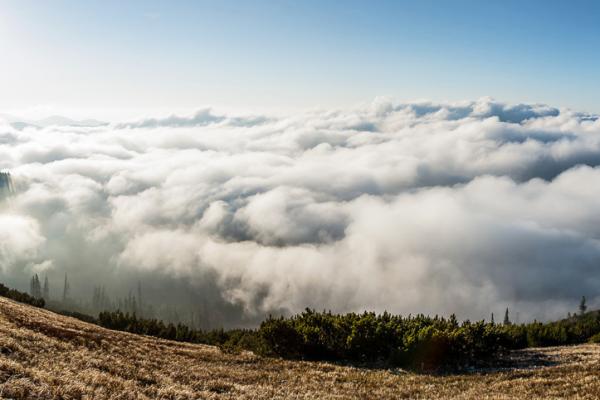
column 64, row 121
column 53, row 120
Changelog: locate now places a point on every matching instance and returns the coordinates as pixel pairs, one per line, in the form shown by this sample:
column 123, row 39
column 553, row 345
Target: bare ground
column 47, row 356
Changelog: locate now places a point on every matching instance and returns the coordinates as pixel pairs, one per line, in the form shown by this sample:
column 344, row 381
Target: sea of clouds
column 435, row 208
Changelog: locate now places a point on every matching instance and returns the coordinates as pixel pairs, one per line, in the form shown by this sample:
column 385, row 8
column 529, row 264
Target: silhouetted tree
column 139, row 299
column 34, row 287
column 46, row 294
column 100, row 301
column 96, row 298
column 506, row 318
column 492, row 319
column 582, row 305
column 65, row 289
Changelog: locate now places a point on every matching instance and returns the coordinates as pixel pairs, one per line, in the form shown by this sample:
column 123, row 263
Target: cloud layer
column 423, row 207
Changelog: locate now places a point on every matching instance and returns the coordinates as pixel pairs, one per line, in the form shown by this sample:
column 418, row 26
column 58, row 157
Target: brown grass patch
column 48, row 356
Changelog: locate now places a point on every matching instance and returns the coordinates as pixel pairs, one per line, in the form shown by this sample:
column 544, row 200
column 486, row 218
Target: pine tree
column 34, row 287
column 506, row 318
column 104, row 301
column 582, row 306
column 66, row 289
column 96, row 298
column 46, row 293
column 492, row 318
column 129, row 303
column 139, row 298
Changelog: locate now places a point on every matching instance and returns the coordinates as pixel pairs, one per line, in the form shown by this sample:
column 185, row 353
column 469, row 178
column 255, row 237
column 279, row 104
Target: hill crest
column 44, row 355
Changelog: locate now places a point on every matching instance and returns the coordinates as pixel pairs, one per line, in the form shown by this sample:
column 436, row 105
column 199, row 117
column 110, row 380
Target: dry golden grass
column 47, row 356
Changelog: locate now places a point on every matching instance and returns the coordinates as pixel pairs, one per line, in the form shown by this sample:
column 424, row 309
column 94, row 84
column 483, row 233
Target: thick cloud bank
column 432, row 208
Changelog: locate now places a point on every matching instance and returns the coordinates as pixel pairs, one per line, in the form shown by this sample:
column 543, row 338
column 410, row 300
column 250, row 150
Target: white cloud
column 422, row 207
column 20, row 241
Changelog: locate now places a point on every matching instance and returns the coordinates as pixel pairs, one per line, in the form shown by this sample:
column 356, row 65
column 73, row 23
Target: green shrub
column 595, row 338
column 419, row 342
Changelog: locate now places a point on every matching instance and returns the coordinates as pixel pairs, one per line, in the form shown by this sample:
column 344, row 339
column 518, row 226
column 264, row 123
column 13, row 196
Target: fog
column 430, row 208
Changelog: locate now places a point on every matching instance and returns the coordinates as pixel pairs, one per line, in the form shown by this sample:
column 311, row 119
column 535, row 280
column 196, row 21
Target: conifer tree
column 96, row 298
column 34, row 287
column 139, row 298
column 582, row 306
column 104, row 301
column 506, row 318
column 133, row 305
column 66, row 289
column 46, row 294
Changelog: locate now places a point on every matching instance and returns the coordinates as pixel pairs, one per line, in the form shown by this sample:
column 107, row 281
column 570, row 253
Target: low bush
column 418, row 342
column 415, row 342
column 595, row 338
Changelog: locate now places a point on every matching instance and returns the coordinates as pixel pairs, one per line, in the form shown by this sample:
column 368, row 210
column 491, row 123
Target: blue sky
column 296, row 54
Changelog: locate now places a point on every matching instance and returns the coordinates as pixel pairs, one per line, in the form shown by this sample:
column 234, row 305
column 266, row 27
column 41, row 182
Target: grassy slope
column 44, row 355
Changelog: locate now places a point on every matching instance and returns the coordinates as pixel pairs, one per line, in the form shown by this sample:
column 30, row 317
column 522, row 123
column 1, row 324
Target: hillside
column 44, row 355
